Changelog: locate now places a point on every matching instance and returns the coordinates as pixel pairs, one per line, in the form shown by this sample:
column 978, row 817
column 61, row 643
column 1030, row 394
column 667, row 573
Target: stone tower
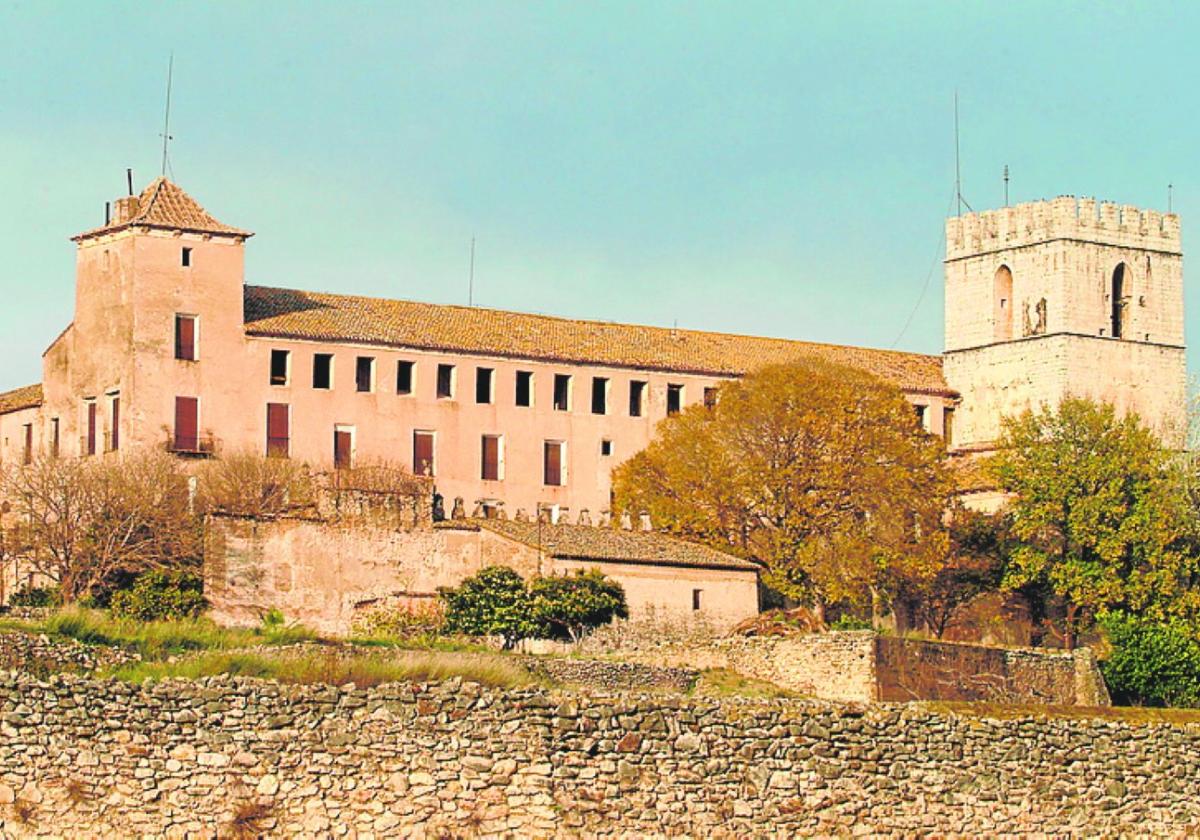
column 1064, row 298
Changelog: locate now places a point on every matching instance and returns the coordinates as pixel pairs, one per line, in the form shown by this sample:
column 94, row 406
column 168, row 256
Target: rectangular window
column 637, row 398
column 922, row 416
column 599, row 395
column 54, row 438
column 404, row 377
column 279, row 443
column 554, row 472
column 525, row 388
column 185, row 257
column 364, row 374
column 114, row 422
column 187, row 424
column 492, row 458
column 89, row 443
column 343, row 447
column 445, row 382
column 562, row 392
column 483, row 385
column 185, row 338
column 696, row 593
column 281, row 362
column 606, row 447
column 710, row 398
column 674, row 399
column 323, row 371
column 423, row 463
column 948, row 426
column 27, row 444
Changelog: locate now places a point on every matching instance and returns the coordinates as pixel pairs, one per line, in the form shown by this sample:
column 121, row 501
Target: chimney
column 125, row 210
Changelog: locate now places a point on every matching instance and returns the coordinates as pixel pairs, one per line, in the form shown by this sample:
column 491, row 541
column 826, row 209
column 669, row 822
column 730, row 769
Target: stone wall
column 612, row 676
column 234, row 757
column 39, row 654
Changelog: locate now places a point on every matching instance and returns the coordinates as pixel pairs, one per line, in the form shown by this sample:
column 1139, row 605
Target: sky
column 778, row 169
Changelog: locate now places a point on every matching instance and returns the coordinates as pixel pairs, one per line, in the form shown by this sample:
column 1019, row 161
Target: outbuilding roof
column 164, row 205
column 28, row 397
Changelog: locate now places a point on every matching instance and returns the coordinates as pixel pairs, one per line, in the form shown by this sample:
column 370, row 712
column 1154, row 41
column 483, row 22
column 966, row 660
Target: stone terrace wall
column 82, row 758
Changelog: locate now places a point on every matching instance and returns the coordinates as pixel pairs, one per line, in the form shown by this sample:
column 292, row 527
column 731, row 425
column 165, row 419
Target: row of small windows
column 1117, row 293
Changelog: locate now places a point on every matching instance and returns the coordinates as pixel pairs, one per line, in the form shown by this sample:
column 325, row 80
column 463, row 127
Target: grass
column 364, row 670
column 250, row 820
column 723, row 682
column 421, row 641
column 1123, row 714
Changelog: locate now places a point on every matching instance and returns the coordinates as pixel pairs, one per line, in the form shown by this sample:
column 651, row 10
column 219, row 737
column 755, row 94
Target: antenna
column 1170, row 196
column 471, row 278
column 1006, row 185
column 166, row 132
column 958, row 196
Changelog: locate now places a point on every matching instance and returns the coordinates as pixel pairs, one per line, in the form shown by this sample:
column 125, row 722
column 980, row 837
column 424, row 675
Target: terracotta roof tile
column 287, row 313
column 583, row 542
column 28, row 397
column 165, row 205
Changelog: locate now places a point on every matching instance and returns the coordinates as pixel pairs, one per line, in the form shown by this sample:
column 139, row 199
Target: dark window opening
column 185, row 338
column 696, row 593
column 185, row 257
column 525, row 388
column 445, row 382
column 54, row 438
column 114, row 423
column 710, row 398
column 483, row 385
column 323, row 371
column 637, row 398
column 404, row 377
column 343, row 449
column 674, row 399
column 606, row 447
column 364, row 374
column 1118, row 301
column 90, row 441
column 279, row 367
column 278, row 430
column 599, row 395
column 423, row 453
column 919, row 410
column 490, row 458
column 552, row 471
column 562, row 392
column 187, row 424
column 27, row 449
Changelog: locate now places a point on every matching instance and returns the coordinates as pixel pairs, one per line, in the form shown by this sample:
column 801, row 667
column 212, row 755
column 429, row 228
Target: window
column 948, row 426
column 1002, row 291
column 606, row 447
column 114, row 422
column 562, row 392
column 185, row 338
column 89, row 440
column 599, row 395
column 281, row 362
column 27, row 444
column 922, row 416
column 696, row 593
column 279, row 442
column 323, row 371
column 1118, row 301
column 554, row 472
column 187, row 424
column 445, row 382
column 185, row 257
column 54, row 438
column 674, row 399
column 364, row 374
column 483, row 385
column 423, row 463
column 492, row 458
column 710, row 398
column 343, row 447
column 525, row 388
column 404, row 377
column 637, row 396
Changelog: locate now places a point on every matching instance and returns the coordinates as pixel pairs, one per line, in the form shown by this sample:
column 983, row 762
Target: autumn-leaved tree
column 974, row 564
column 1098, row 514
column 820, row 472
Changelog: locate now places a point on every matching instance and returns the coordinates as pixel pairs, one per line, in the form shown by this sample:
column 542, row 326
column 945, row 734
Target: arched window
column 1118, row 295
column 1002, row 288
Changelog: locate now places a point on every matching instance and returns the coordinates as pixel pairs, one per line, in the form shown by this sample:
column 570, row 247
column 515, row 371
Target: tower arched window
column 1002, row 306
column 1119, row 296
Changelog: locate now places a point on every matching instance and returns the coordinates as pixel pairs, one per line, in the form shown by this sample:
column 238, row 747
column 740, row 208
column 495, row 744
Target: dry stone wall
column 224, row 756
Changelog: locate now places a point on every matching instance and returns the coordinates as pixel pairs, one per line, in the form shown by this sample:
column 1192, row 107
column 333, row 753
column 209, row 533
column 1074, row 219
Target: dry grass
column 77, row 792
column 1123, row 714
column 723, row 682
column 251, row 819
column 23, row 811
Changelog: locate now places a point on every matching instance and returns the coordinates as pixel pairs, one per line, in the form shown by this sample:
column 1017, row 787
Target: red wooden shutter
column 187, row 424
column 185, row 338
column 553, row 470
column 91, row 428
column 278, row 431
column 422, row 453
column 341, row 449
column 115, row 424
column 491, row 458
column 28, row 456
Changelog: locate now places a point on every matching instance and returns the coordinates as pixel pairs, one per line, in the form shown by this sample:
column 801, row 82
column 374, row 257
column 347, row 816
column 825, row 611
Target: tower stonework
column 1061, row 298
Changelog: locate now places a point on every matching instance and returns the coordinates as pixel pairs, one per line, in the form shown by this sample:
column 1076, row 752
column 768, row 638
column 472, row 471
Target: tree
column 1098, row 516
column 572, row 605
column 493, row 602
column 820, row 472
column 978, row 546
column 1152, row 662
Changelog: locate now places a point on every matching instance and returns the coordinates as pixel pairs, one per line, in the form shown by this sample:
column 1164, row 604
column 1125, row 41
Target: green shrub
column 1152, row 663
column 35, row 596
column 161, row 595
column 493, row 602
column 570, row 606
column 846, row 621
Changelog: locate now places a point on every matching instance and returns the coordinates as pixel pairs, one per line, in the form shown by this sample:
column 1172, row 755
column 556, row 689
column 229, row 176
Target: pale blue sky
column 772, row 168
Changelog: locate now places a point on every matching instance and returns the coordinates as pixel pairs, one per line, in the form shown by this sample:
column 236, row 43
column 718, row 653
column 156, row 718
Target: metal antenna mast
column 958, row 196
column 1006, row 185
column 471, row 279
column 1170, row 196
column 166, row 132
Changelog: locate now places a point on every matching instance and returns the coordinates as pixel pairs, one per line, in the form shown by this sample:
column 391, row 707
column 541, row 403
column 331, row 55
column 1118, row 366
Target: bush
column 35, row 596
column 846, row 621
column 1152, row 663
column 160, row 595
column 570, row 606
column 401, row 621
column 493, row 602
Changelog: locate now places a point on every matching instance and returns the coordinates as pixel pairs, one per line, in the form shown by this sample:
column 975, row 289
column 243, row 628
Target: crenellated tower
column 1062, row 298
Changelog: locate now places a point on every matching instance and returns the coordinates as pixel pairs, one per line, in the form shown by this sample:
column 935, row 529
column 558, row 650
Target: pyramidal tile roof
column 315, row 316
column 164, row 205
column 28, row 397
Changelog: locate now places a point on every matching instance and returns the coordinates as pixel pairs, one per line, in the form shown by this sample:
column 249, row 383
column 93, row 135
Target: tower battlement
column 1065, row 217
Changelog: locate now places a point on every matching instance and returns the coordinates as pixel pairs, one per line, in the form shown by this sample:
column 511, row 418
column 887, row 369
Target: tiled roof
column 28, row 397
column 165, row 205
column 610, row 545
column 287, row 313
